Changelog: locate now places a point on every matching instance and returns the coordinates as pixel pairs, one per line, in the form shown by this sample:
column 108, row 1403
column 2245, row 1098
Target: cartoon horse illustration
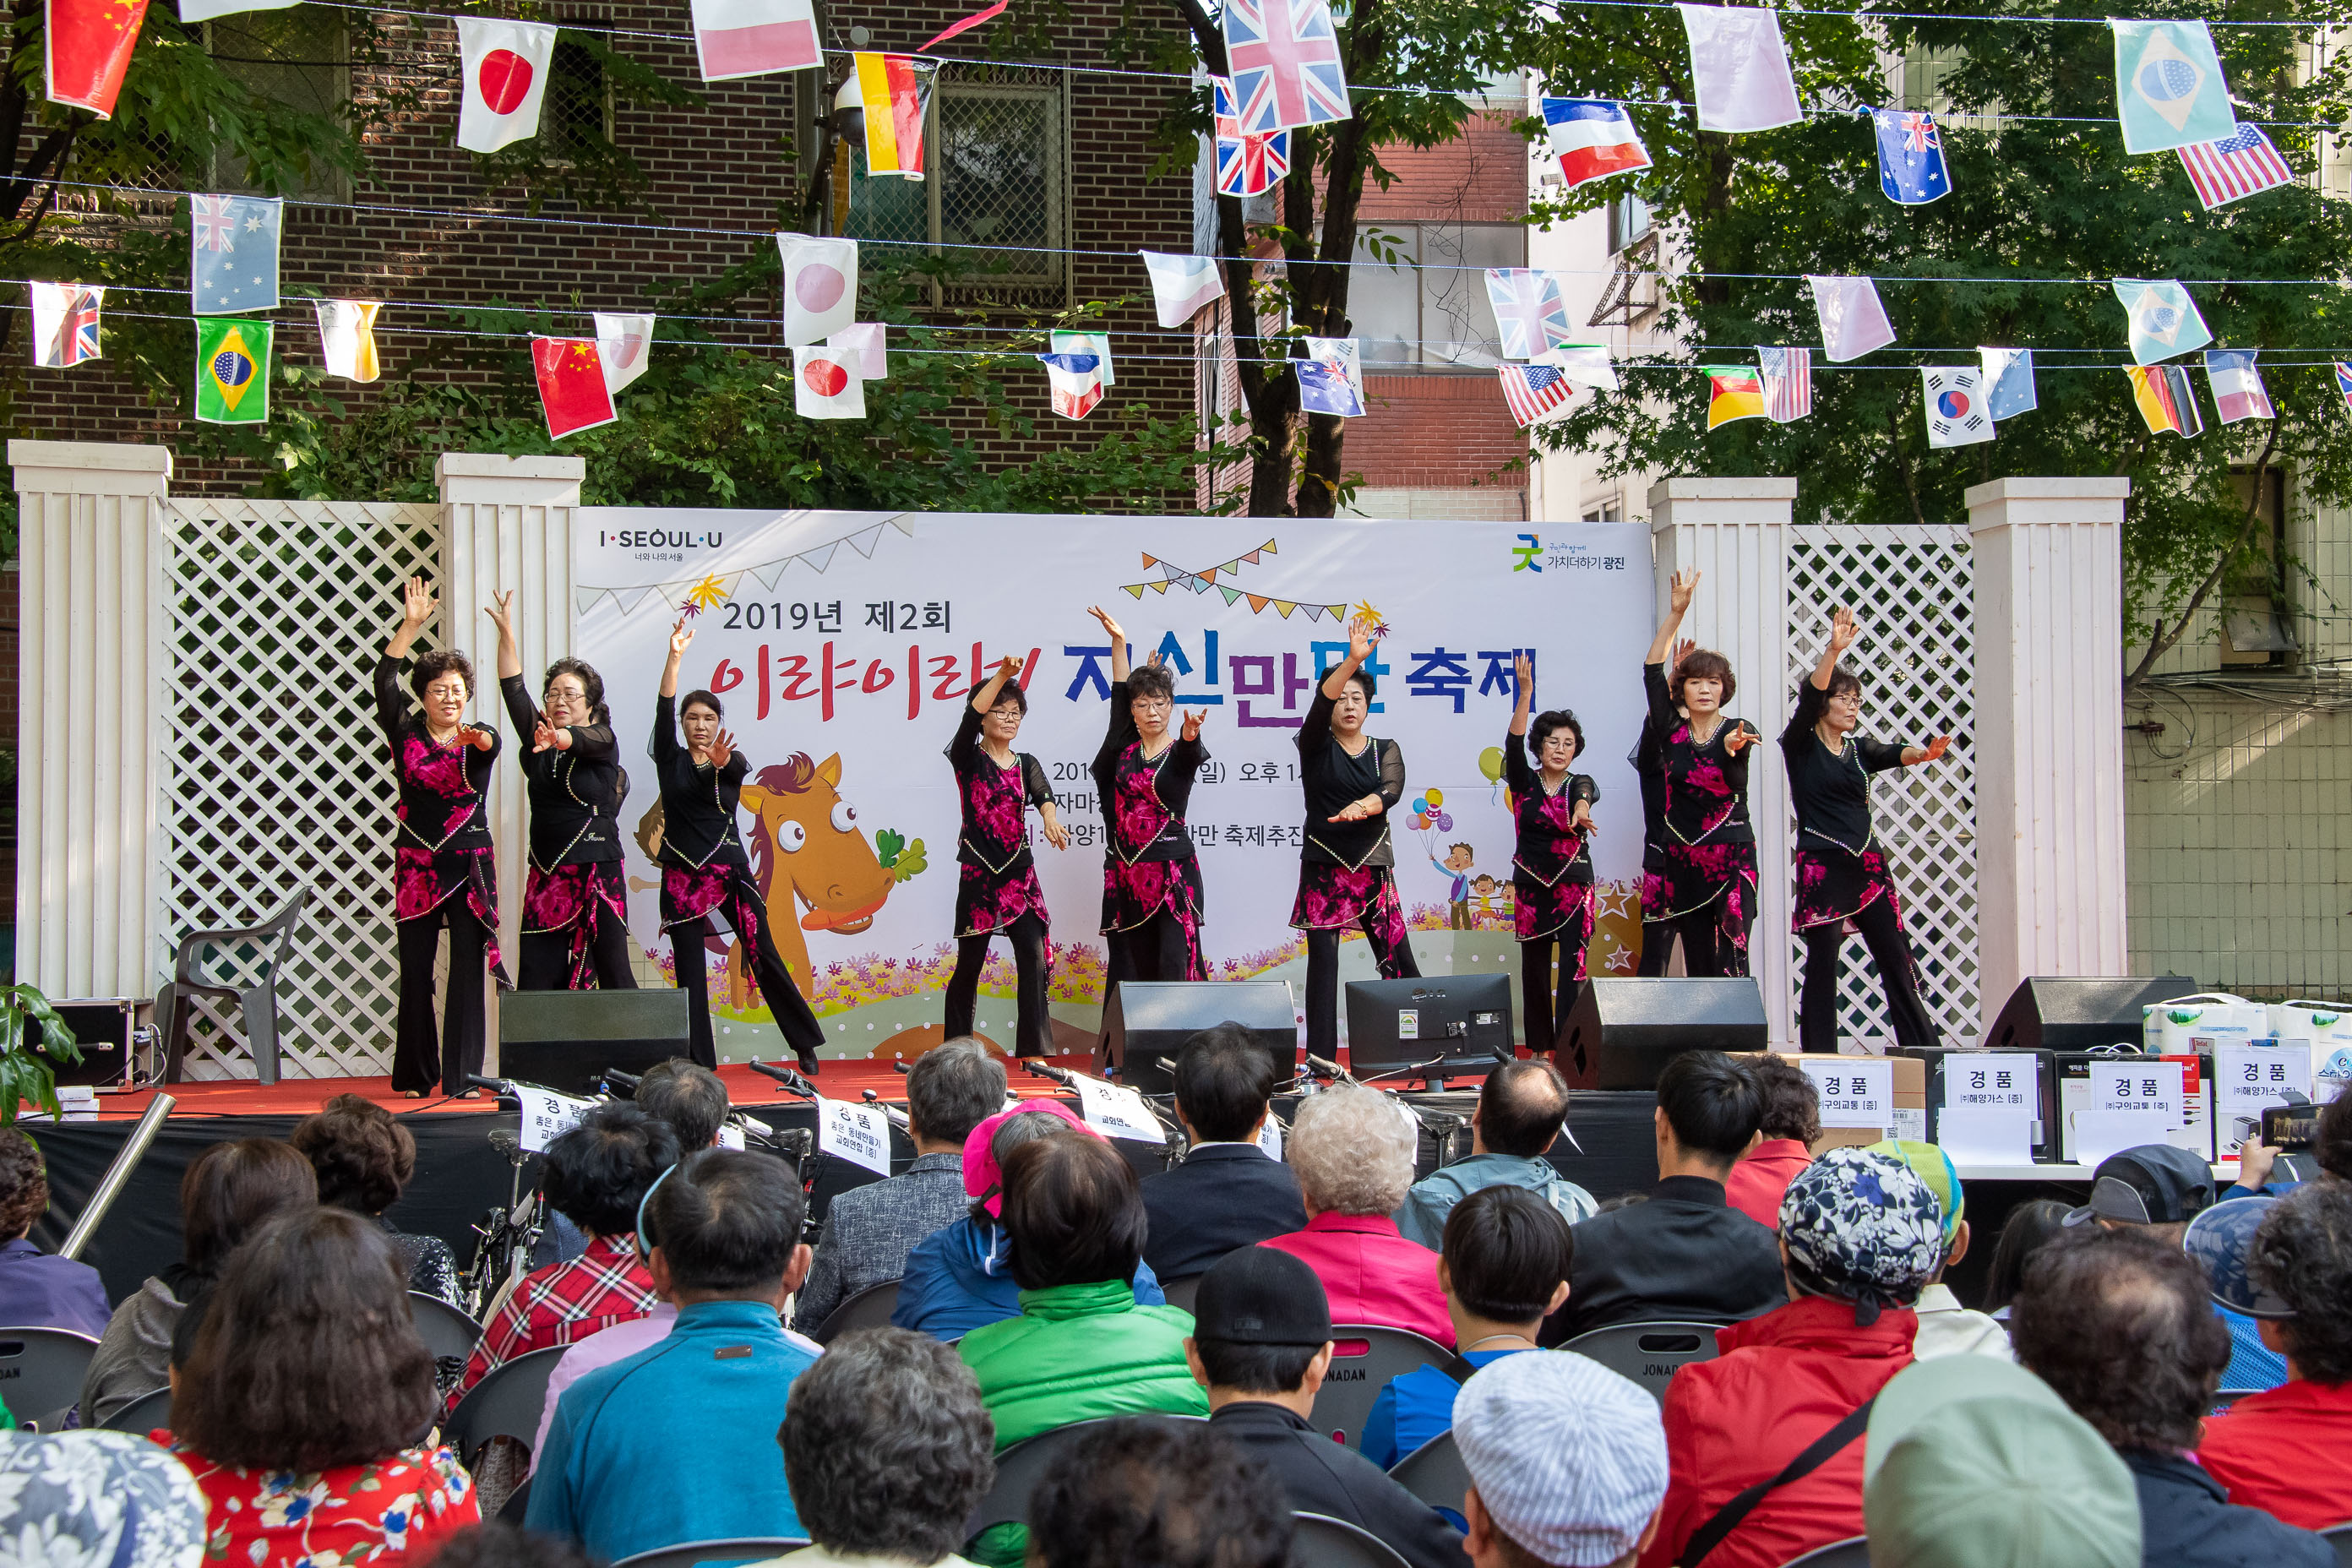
column 808, row 845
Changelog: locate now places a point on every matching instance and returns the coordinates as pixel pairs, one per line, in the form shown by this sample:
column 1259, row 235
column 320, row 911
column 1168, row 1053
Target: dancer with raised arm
column 575, row 911
column 1143, row 777
column 1842, row 880
column 1552, row 864
column 1347, row 873
column 996, row 887
column 705, row 871
column 444, row 867
column 1706, row 892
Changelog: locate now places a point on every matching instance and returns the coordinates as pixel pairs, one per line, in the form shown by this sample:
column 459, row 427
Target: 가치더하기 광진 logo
column 1532, row 552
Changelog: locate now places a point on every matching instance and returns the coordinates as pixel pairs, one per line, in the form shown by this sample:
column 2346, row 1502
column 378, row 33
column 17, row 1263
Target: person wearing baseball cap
column 2155, row 1185
column 1946, row 1327
column 1567, row 1462
column 2222, row 1239
column 1261, row 1345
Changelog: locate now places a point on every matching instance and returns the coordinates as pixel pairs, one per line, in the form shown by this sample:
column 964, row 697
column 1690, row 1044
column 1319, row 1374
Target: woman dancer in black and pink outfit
column 1143, row 777
column 575, row 911
column 996, row 887
column 1552, row 864
column 1705, row 883
column 1842, row 881
column 444, row 867
column 1346, row 872
column 704, row 869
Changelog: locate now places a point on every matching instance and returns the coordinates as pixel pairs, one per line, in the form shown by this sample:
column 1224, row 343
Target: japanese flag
column 623, row 343
column 820, row 287
column 571, row 389
column 826, row 386
column 506, row 65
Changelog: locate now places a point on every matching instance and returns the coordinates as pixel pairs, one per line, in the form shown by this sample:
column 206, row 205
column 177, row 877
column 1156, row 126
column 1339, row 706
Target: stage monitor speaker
column 563, row 1039
column 1148, row 1019
column 2072, row 1012
column 1620, row 1032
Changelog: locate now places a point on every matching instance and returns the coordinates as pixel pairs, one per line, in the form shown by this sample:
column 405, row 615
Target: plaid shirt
column 564, row 1304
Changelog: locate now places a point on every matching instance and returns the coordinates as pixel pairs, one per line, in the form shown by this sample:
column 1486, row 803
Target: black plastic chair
column 143, row 1415
column 506, row 1403
column 750, row 1549
column 41, row 1373
column 1322, row 1542
column 1020, row 1467
column 445, row 1331
column 274, row 939
column 1649, row 1353
column 1366, row 1357
column 869, row 1309
column 1179, row 1293
column 1434, row 1473
column 1852, row 1553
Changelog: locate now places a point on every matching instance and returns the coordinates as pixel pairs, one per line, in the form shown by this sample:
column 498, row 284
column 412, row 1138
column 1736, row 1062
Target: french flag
column 2238, row 390
column 1594, row 138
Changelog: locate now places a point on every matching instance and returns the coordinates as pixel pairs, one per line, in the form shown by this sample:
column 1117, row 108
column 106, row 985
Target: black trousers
column 546, row 960
column 1153, row 951
column 1817, row 1026
column 689, row 940
column 1323, row 982
column 422, row 1056
column 1035, row 1032
column 1705, row 952
column 1541, row 1018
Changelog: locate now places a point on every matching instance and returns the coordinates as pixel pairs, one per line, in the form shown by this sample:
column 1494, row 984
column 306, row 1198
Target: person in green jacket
column 1081, row 1348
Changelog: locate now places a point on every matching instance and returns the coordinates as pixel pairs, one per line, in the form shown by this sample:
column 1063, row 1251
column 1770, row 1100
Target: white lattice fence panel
column 1913, row 589
column 277, row 774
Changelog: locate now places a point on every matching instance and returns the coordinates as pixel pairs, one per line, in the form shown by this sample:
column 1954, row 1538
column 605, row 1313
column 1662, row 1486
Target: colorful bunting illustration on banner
column 705, row 589
column 1593, row 138
column 1533, row 391
column 2164, row 319
column 1586, row 364
column 347, row 338
column 1247, row 165
column 1182, row 286
column 754, row 37
column 1094, row 343
column 826, row 384
column 2166, row 399
column 1528, row 309
column 1284, row 57
column 820, row 287
column 1734, row 392
column 1911, row 169
column 1788, row 375
column 894, row 94
column 1174, row 576
column 571, row 390
column 2007, row 379
column 85, row 48
column 1852, row 320
column 506, row 65
column 2169, row 88
column 233, row 254
column 864, row 347
column 1331, row 378
column 2243, row 164
column 1739, row 68
column 65, row 323
column 624, row 346
column 1957, row 413
column 1076, row 381
column 232, row 370
column 2237, row 386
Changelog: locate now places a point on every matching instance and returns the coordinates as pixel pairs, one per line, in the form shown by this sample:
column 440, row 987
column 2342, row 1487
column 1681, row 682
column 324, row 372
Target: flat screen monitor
column 1398, row 1022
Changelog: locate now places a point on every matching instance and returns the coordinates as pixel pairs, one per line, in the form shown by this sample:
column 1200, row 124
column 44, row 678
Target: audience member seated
column 1685, row 1255
column 1505, row 1268
column 2297, row 1282
column 301, row 1399
column 1353, row 1155
column 1976, row 1463
column 1520, row 1112
column 1567, row 1462
column 229, row 1189
column 2116, row 1320
column 1160, row 1494
column 689, row 1096
column 677, row 1443
column 363, row 1157
column 1791, row 1120
column 492, row 1544
column 959, row 1278
column 1946, row 1327
column 1860, row 1235
column 1082, row 1347
column 597, row 1172
column 2332, row 1147
column 39, row 1290
column 1226, row 1194
column 2222, row 1239
column 1261, row 1345
column 889, row 1449
column 2030, row 1226
column 107, row 1499
column 869, row 1230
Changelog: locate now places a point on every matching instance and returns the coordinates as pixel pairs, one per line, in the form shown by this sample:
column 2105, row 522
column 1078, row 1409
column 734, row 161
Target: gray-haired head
column 953, row 1088
column 887, row 1448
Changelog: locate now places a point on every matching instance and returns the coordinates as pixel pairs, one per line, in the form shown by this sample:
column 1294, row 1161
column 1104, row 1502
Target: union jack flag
column 1528, row 309
column 2241, row 165
column 1286, row 63
column 1246, row 165
column 2344, row 382
column 215, row 221
column 1534, row 390
column 65, row 323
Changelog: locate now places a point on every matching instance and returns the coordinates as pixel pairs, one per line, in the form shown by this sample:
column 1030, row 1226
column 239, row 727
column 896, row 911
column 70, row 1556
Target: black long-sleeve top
column 1831, row 790
column 1172, row 772
column 1333, row 779
column 698, row 801
column 575, row 795
column 995, row 832
column 1704, row 788
column 437, row 813
column 1549, row 847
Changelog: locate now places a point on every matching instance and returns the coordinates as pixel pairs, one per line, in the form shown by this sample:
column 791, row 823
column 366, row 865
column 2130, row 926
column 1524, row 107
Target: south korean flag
column 1956, row 411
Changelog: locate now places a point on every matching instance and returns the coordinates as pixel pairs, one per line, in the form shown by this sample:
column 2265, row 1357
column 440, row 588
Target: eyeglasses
column 1154, row 704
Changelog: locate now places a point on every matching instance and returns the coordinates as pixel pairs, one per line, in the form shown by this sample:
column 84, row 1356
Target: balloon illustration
column 1419, row 821
column 1445, row 822
column 1420, row 805
column 1435, row 797
column 1490, row 764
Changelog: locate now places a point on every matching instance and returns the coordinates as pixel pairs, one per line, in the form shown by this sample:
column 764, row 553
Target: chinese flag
column 89, row 44
column 572, row 384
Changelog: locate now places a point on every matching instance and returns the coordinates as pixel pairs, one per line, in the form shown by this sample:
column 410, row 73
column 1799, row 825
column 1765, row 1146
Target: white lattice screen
column 277, row 775
column 1913, row 588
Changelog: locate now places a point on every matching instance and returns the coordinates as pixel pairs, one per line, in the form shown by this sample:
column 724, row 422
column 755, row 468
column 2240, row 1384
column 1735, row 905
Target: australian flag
column 1910, row 157
column 1284, row 57
column 1246, row 165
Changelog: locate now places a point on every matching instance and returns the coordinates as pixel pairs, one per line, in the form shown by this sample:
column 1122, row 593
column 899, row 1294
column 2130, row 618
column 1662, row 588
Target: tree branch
column 2161, row 642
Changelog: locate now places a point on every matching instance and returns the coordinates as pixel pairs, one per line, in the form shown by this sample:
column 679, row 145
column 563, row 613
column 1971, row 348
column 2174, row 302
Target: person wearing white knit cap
column 1567, row 1462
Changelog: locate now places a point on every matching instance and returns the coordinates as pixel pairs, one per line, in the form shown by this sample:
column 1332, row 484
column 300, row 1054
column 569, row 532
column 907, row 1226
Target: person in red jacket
column 1860, row 1235
column 1793, row 1119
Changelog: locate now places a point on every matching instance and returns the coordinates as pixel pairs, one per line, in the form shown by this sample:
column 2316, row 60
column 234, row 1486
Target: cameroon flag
column 895, row 91
column 1733, row 392
column 232, row 370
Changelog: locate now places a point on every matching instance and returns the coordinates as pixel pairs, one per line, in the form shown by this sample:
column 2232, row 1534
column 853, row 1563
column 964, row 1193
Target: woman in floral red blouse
column 300, row 1394
column 1703, row 889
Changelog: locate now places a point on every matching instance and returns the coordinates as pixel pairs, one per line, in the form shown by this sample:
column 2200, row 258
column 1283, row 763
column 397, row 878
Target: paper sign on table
column 730, row 1135
column 1269, row 1138
column 857, row 1133
column 1115, row 1110
column 2125, row 1105
column 1855, row 1092
column 1974, row 1135
column 1990, row 1101
column 547, row 1115
column 2247, row 1077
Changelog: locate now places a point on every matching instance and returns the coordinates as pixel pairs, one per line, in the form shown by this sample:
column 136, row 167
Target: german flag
column 895, row 91
column 1733, row 392
column 2166, row 399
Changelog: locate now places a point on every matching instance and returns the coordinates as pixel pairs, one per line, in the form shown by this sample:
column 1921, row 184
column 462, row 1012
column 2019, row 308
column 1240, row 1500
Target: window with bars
column 1418, row 298
column 299, row 57
column 575, row 119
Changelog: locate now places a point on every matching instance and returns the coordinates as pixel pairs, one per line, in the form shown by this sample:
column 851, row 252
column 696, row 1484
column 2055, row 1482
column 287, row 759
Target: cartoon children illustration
column 1456, row 865
column 1487, row 911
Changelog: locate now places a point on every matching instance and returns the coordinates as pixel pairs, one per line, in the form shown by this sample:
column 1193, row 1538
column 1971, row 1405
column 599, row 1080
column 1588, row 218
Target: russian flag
column 1594, row 138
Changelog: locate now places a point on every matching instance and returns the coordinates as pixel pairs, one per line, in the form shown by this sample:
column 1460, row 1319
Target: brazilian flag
column 232, row 370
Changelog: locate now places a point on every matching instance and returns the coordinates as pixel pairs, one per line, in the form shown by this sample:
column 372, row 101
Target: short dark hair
column 687, row 1096
column 307, row 1358
column 700, row 699
column 2303, row 1254
column 1011, row 693
column 1545, row 722
column 1506, row 1251
column 1253, row 1368
column 431, row 667
column 1522, row 1108
column 1223, row 1080
column 1150, row 1492
column 953, row 1089
column 494, row 1544
column 1705, row 664
column 597, row 1172
column 1842, row 679
column 592, row 686
column 887, row 1446
column 1712, row 1103
column 1072, row 1212
column 1363, row 678
column 363, row 1156
column 2118, row 1324
column 23, row 1184
column 2331, row 1146
column 230, row 1189
column 1792, row 1105
column 727, row 1220
column 1151, row 680
column 2030, row 1226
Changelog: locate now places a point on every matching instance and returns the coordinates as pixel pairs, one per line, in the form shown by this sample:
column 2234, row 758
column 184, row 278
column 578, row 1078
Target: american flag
column 1528, row 309
column 1788, row 383
column 1534, row 390
column 1286, row 63
column 1246, row 165
column 215, row 221
column 2238, row 166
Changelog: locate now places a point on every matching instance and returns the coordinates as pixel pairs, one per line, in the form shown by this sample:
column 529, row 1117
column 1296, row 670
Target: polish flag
column 506, row 65
column 571, row 387
column 754, row 37
column 826, row 386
